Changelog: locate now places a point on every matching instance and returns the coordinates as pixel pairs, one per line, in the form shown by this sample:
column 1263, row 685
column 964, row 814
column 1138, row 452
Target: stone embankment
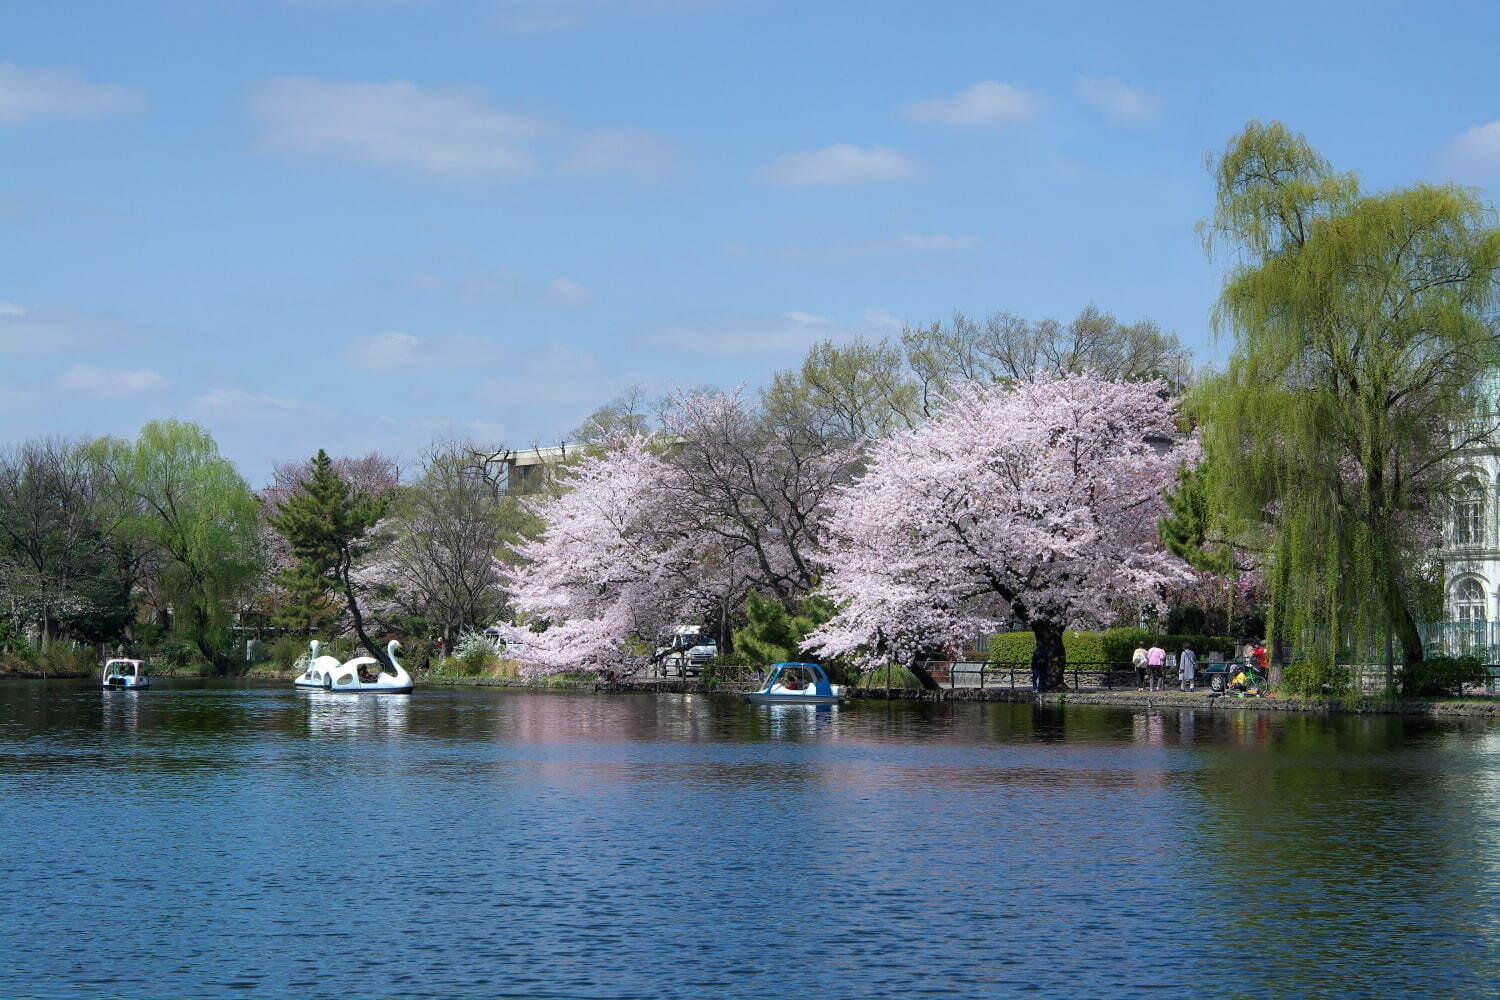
column 1200, row 700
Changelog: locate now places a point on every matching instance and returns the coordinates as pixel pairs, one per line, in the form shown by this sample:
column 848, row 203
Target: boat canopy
column 794, row 675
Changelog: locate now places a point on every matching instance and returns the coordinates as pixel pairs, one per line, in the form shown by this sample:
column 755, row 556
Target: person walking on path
column 1187, row 666
column 1156, row 658
column 1039, row 670
column 1138, row 661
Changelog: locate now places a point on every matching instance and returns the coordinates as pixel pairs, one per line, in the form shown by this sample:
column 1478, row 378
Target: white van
column 686, row 650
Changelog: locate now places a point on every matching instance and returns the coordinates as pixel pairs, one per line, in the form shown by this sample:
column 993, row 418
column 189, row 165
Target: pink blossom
column 1035, row 502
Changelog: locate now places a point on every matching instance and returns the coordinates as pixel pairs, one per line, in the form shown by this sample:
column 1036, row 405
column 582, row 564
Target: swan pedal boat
column 326, row 673
column 126, row 674
column 796, row 684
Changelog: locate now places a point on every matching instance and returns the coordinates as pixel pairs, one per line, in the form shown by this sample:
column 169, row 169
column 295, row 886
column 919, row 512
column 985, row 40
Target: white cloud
column 384, row 352
column 568, row 292
column 935, row 242
column 240, row 403
column 792, row 331
column 841, row 163
column 883, row 322
column 30, row 93
column 529, row 17
column 1477, row 151
column 38, row 330
column 110, row 381
column 924, row 243
column 987, row 103
column 447, row 133
column 443, row 132
column 632, row 151
column 806, row 319
column 552, row 376
column 505, row 283
column 1117, row 99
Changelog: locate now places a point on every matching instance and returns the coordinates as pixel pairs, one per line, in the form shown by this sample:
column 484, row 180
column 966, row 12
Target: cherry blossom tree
column 615, row 565
column 757, row 482
column 1035, row 503
column 660, row 531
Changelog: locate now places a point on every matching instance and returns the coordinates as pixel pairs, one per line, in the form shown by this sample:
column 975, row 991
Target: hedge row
column 1110, row 646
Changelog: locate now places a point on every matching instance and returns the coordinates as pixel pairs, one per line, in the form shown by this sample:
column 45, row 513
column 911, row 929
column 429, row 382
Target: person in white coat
column 1187, row 667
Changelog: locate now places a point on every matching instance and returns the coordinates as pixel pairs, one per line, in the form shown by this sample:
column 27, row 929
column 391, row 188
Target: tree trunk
column 358, row 619
column 1275, row 661
column 922, row 674
column 1049, row 638
column 222, row 664
column 1412, row 652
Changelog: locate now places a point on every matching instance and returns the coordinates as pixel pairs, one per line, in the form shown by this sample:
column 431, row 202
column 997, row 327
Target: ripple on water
column 222, row 840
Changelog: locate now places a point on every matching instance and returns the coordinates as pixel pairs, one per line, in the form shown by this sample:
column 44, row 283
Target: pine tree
column 772, row 635
column 327, row 526
column 1185, row 529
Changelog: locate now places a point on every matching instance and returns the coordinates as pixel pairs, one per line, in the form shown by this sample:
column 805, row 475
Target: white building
column 1470, row 556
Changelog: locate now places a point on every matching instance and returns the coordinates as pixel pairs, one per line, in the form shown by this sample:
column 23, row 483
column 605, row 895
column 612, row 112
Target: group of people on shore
column 1151, row 664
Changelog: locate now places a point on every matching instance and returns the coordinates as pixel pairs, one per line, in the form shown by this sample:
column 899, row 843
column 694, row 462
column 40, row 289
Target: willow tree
column 176, row 498
column 1361, row 324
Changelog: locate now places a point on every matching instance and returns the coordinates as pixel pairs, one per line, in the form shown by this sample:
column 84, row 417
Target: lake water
column 214, row 840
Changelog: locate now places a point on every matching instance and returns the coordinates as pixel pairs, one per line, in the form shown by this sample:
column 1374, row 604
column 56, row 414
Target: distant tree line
column 882, row 502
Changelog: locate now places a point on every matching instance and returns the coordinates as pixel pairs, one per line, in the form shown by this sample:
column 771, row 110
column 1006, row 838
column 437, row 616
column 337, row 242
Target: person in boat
column 365, row 676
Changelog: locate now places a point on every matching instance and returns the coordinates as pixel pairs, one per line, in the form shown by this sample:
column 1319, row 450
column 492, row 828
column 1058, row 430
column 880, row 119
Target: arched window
column 1469, row 602
column 1468, row 515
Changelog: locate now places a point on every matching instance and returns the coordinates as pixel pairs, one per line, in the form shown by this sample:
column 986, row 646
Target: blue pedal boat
column 796, row 684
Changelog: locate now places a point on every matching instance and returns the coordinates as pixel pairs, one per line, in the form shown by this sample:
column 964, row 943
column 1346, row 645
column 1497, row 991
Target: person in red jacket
column 1258, row 654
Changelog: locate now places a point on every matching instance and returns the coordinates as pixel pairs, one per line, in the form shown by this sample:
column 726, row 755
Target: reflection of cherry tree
column 1036, row 502
column 613, row 566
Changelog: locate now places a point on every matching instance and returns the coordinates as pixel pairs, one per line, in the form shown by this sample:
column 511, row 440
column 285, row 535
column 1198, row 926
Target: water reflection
column 357, row 716
column 624, row 845
column 121, row 708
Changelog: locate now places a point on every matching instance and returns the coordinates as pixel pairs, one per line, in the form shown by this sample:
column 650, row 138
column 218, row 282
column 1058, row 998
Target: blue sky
column 356, row 224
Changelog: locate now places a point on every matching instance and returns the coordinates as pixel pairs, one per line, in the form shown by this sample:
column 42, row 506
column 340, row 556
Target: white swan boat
column 797, row 684
column 319, row 669
column 127, row 674
column 359, row 675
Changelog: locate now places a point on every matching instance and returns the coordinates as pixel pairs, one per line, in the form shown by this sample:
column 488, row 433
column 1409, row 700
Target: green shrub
column 893, row 676
column 285, row 650
column 1315, row 676
column 1442, row 675
column 176, row 652
column 59, row 659
column 1109, row 646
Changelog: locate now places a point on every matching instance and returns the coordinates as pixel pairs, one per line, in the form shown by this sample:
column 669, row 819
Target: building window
column 1469, row 603
column 1468, row 520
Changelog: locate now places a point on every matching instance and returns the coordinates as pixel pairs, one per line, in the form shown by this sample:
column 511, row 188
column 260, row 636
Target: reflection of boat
column 367, row 674
column 330, row 714
column 126, row 674
column 796, row 684
column 319, row 672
